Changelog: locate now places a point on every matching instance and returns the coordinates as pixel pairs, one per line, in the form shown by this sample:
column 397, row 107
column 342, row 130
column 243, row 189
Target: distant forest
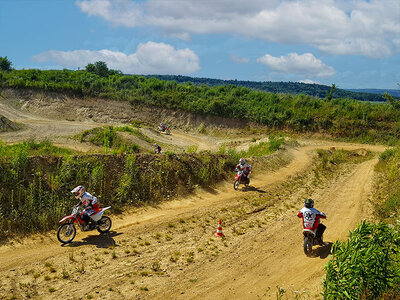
column 395, row 93
column 317, row 90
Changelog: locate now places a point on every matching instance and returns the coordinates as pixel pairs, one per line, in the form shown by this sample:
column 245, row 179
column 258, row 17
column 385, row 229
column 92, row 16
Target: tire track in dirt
column 278, row 260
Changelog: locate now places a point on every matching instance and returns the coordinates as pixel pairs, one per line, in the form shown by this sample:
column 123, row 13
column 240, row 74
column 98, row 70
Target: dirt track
column 170, row 252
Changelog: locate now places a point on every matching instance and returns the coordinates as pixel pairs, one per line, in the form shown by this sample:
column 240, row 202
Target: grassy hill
column 342, row 118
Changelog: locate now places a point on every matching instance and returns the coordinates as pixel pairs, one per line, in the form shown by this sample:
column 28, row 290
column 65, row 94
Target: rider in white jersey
column 311, row 219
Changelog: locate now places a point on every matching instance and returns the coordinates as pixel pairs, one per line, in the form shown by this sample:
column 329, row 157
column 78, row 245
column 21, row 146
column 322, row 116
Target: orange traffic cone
column 219, row 229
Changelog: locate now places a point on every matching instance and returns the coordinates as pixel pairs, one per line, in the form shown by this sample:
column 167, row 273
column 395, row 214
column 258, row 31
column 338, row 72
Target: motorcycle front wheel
column 66, row 233
column 104, row 224
column 307, row 245
column 236, row 184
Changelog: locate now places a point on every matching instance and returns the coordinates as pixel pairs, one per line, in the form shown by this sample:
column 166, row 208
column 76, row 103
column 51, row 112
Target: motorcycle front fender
column 66, row 218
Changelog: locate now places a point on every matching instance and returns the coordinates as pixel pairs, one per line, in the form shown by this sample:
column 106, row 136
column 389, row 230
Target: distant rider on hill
column 88, row 201
column 244, row 167
column 162, row 126
column 157, row 149
column 311, row 219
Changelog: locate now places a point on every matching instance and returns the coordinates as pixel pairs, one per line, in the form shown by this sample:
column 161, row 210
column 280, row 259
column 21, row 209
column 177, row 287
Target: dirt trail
column 251, row 265
column 278, row 260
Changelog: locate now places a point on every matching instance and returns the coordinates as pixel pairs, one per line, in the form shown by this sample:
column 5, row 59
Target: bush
column 366, row 266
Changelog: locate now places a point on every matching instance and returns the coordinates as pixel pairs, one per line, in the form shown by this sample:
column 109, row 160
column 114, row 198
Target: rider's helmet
column 309, row 203
column 242, row 161
column 78, row 191
column 155, row 145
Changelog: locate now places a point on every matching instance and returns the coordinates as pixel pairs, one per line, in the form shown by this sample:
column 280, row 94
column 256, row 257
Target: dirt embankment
column 59, row 118
column 7, row 125
column 54, row 106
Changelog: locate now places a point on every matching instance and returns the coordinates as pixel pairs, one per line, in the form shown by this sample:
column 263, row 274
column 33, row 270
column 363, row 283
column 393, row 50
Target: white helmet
column 242, row 161
column 78, row 191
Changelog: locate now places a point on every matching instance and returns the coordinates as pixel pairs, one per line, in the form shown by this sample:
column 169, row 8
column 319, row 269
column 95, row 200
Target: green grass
column 108, row 138
column 387, row 204
column 19, row 152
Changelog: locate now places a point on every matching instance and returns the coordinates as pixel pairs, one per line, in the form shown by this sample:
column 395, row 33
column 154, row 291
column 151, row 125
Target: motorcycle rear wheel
column 104, row 224
column 236, row 184
column 307, row 245
column 66, row 233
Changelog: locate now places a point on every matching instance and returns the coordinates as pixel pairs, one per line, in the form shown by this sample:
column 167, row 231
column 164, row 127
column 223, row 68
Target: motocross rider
column 311, row 219
column 157, row 149
column 244, row 167
column 88, row 201
column 162, row 126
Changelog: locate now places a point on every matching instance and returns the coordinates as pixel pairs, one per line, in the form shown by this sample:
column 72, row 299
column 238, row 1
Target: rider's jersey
column 89, row 200
column 310, row 217
column 245, row 168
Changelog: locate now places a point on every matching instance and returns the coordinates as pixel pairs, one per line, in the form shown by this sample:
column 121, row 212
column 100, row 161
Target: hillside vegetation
column 341, row 118
column 34, row 191
column 317, row 90
column 35, row 176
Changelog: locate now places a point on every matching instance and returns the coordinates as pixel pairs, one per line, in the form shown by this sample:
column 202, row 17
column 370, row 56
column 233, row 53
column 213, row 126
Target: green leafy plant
column 365, row 266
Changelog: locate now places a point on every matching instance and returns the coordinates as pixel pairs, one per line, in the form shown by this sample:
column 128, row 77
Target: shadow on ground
column 323, row 251
column 253, row 189
column 104, row 240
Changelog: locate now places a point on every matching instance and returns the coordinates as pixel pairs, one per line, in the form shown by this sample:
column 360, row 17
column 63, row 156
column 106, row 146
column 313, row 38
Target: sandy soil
column 171, row 252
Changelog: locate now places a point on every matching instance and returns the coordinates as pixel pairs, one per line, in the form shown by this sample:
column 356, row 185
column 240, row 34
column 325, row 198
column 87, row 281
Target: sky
column 352, row 43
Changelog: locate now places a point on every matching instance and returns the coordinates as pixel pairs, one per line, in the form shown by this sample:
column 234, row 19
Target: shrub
column 366, row 266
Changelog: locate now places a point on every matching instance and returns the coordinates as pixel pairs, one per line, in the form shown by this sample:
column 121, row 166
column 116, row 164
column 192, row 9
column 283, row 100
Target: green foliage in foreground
column 342, row 118
column 388, row 204
column 367, row 266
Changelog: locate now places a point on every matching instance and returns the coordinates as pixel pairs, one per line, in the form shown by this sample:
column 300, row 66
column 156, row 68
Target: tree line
column 317, row 90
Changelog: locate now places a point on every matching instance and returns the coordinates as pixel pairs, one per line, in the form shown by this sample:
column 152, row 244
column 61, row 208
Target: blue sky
column 352, row 43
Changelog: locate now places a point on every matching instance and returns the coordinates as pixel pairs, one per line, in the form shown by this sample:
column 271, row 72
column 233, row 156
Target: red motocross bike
column 66, row 231
column 164, row 129
column 312, row 238
column 241, row 178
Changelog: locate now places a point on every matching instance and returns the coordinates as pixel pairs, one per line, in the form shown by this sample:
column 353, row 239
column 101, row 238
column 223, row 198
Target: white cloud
column 150, row 58
column 309, row 81
column 238, row 59
column 366, row 27
column 305, row 64
column 120, row 12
